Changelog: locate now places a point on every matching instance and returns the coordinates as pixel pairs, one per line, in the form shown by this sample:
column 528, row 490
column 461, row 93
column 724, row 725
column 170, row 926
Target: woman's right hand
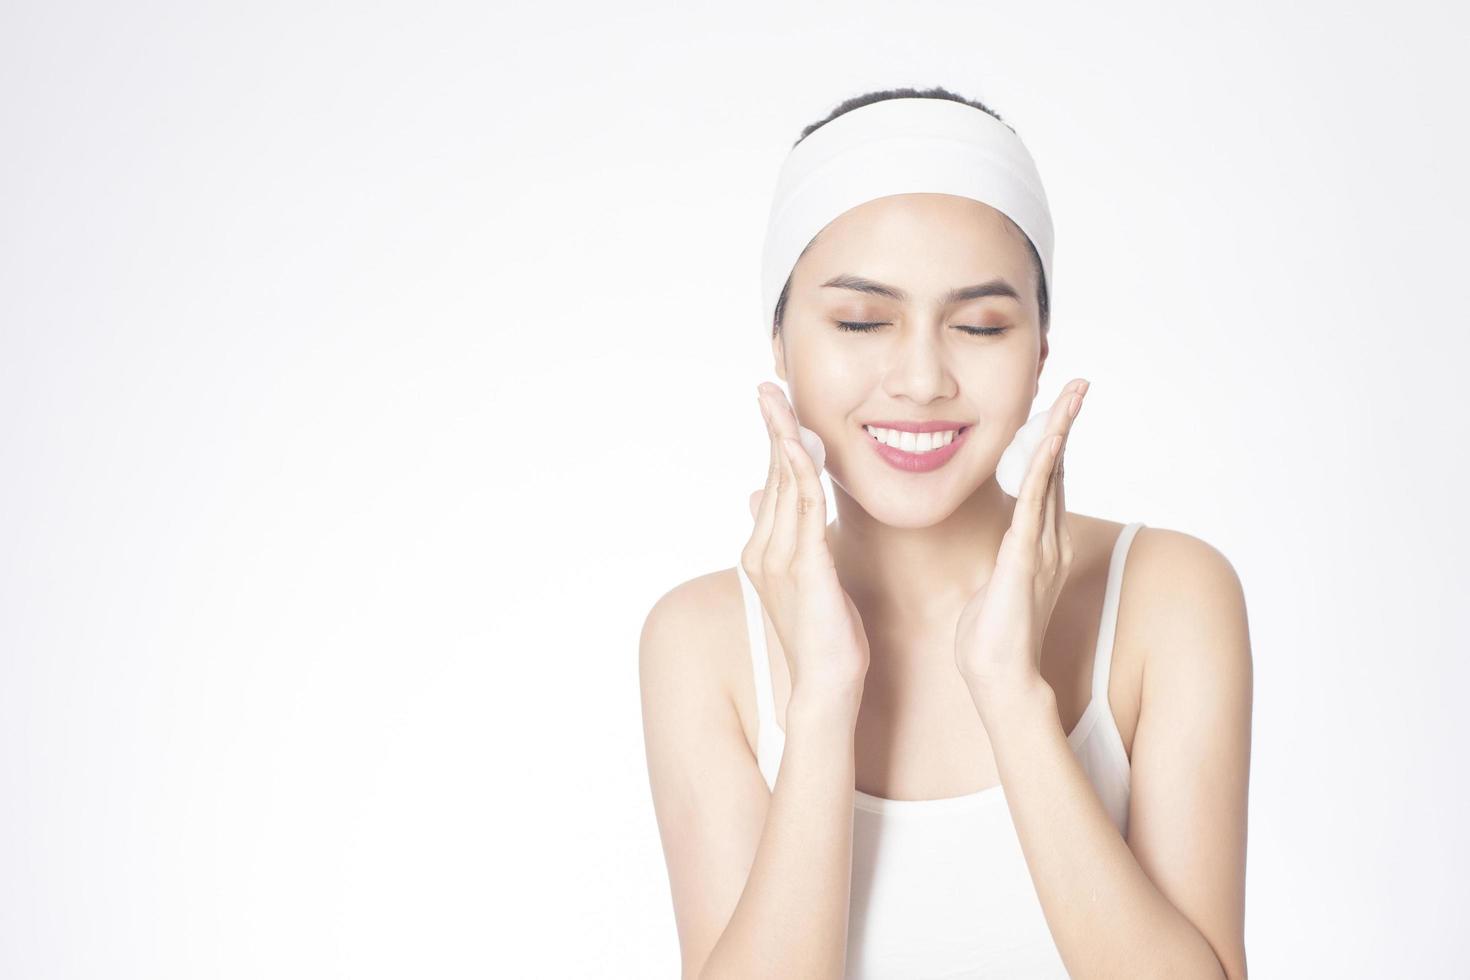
column 791, row 567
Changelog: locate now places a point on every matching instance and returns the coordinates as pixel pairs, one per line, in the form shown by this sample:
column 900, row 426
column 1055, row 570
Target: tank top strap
column 1102, row 658
column 760, row 662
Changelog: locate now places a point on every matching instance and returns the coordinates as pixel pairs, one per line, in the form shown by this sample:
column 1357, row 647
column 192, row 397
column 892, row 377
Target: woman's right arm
column 760, row 879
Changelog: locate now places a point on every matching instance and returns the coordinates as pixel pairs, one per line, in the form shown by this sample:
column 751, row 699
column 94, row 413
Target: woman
column 953, row 739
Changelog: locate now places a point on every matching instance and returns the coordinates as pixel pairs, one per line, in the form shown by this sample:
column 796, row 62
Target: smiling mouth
column 914, row 443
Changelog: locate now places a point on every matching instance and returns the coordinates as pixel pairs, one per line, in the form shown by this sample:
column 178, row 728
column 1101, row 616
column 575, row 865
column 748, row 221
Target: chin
column 909, row 512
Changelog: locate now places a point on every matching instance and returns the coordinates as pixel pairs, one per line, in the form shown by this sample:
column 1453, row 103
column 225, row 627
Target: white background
column 367, row 372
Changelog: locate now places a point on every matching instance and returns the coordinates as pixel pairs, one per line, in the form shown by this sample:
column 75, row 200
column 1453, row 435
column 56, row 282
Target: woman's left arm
column 1170, row 902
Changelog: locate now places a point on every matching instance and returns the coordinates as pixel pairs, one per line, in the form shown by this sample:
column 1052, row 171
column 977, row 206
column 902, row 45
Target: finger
column 783, row 416
column 809, row 497
column 766, row 511
column 1062, row 528
column 783, row 532
column 1048, row 537
column 811, row 502
column 1037, row 518
column 782, row 421
column 1027, row 518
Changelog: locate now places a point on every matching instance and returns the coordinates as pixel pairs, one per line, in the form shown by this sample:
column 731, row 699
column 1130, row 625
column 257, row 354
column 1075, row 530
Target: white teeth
column 912, row 442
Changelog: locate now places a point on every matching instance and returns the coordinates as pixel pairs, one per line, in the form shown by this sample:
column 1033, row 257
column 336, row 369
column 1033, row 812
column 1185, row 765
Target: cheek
column 837, row 374
column 847, row 370
column 1003, row 385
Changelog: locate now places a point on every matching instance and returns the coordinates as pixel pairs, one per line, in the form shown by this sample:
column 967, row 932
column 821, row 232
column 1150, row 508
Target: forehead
column 920, row 236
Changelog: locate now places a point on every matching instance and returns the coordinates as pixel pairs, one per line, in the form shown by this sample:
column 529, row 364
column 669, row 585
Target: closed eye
column 869, row 327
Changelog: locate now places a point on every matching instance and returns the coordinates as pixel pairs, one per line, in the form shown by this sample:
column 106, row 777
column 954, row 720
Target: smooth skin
column 974, row 645
column 999, row 635
column 761, row 879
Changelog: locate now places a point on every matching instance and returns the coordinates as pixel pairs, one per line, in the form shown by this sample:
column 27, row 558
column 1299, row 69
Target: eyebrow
column 993, row 287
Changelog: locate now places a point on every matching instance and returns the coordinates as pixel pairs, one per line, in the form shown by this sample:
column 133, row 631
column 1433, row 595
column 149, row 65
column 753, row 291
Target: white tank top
column 940, row 888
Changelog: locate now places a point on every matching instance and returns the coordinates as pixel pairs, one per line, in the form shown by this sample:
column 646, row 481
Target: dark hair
column 858, row 101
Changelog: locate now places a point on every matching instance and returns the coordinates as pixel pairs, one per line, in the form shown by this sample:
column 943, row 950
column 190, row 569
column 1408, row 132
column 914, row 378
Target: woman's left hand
column 999, row 634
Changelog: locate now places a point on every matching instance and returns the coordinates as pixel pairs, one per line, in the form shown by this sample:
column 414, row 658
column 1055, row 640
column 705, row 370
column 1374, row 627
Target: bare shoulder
column 1176, row 590
column 709, row 797
column 1189, row 601
column 689, row 639
column 1190, row 759
column 691, row 603
column 689, row 627
column 1173, row 565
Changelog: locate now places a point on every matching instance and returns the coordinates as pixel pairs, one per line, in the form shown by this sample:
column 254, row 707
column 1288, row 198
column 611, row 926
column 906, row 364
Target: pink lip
column 918, row 462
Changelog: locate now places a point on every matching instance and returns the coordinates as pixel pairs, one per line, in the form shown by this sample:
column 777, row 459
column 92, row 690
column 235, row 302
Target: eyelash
column 856, row 327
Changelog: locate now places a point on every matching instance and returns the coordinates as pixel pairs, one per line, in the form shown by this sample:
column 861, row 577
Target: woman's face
column 920, row 363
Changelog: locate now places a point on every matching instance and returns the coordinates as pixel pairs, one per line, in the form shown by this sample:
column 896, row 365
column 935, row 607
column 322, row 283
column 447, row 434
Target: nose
column 920, row 371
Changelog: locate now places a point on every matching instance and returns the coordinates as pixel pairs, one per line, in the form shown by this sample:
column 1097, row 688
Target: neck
column 909, row 575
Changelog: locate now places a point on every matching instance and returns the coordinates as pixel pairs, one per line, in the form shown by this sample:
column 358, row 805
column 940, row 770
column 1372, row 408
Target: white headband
column 899, row 146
